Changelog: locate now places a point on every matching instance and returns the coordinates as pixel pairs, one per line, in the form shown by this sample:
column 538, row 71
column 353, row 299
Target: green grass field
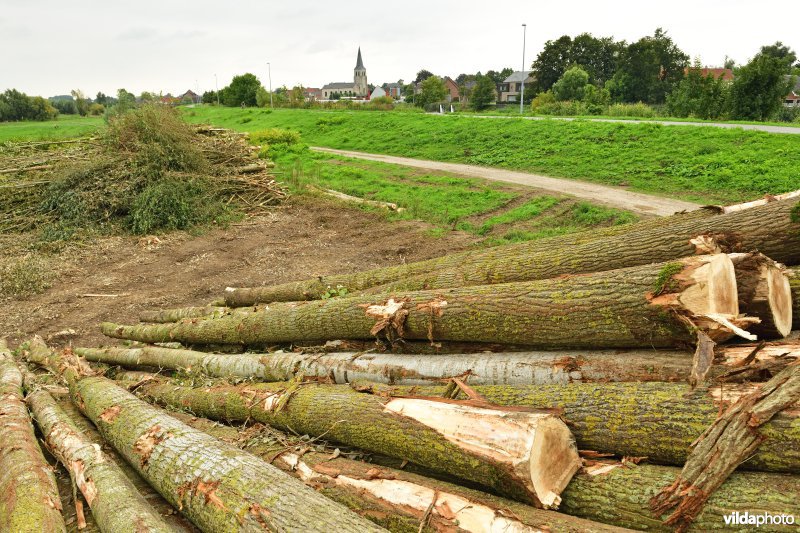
column 700, row 164
column 65, row 127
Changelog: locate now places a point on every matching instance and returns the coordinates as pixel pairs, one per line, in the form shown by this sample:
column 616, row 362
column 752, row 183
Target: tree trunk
column 29, row 499
column 395, row 499
column 654, row 306
column 500, row 449
column 215, row 485
column 626, row 419
column 175, row 315
column 176, row 520
column 794, row 283
column 115, row 503
column 620, row 495
column 766, row 227
column 513, row 368
column 764, row 292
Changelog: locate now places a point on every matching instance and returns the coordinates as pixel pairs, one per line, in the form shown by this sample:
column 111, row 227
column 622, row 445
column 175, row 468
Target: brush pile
column 643, row 377
column 147, row 171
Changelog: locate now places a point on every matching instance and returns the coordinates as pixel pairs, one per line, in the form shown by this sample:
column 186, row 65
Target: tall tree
column 432, row 91
column 648, row 69
column 242, row 90
column 81, row 102
column 551, row 62
column 499, row 76
column 759, row 87
column 596, row 55
column 423, row 75
column 700, row 96
column 483, row 94
column 571, row 86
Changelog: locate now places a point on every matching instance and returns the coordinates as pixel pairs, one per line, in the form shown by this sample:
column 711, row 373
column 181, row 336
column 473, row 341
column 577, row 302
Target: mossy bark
column 174, row 315
column 392, row 498
column 29, row 499
column 612, row 309
column 217, row 486
column 115, row 503
column 767, row 228
column 794, row 282
column 621, row 496
column 176, row 520
column 365, row 421
column 656, row 420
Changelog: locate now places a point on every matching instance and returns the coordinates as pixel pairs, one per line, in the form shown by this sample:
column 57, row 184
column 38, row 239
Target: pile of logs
column 641, row 377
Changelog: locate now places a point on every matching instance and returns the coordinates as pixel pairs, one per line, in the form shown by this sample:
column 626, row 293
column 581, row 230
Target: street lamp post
column 269, row 70
column 216, row 88
column 522, row 89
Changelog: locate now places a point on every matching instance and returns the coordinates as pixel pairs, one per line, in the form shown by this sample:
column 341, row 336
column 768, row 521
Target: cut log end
column 780, row 300
column 764, row 292
column 552, row 464
column 713, row 288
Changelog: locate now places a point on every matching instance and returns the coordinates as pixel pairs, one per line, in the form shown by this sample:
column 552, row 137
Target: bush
column 276, row 142
column 172, row 204
column 639, row 109
column 96, row 109
column 16, row 105
column 571, row 85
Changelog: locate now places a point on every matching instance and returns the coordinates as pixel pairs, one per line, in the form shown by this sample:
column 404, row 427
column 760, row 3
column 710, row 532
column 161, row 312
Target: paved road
column 753, row 127
column 645, row 204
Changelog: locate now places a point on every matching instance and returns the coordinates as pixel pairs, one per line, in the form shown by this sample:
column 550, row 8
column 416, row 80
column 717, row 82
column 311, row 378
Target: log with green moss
column 654, row 306
column 215, row 485
column 29, row 498
column 512, row 368
column 657, row 420
column 497, row 448
column 115, row 503
column 174, row 315
column 765, row 226
column 395, row 499
column 175, row 520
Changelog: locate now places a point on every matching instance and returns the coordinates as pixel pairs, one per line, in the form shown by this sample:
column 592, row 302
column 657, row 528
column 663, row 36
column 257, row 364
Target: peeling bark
column 764, row 292
column 626, row 419
column 766, row 227
column 115, row 503
column 29, row 498
column 396, row 499
column 730, row 440
column 217, row 486
column 501, row 449
column 654, row 306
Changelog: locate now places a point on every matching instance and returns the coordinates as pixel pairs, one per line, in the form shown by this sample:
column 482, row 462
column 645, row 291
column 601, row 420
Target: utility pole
column 216, row 87
column 522, row 88
column 269, row 70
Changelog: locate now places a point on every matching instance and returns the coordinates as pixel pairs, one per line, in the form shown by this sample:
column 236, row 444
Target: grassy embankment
column 65, row 127
column 707, row 165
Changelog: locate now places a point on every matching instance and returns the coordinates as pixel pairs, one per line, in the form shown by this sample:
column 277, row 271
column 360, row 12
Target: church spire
column 359, row 63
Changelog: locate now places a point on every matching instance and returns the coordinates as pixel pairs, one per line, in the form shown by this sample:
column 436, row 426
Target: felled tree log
column 656, row 420
column 215, row 485
column 655, row 306
column 764, row 292
column 115, row 503
column 513, row 368
column 497, row 448
column 620, row 495
column 29, row 499
column 730, row 440
column 174, row 315
column 395, row 499
column 766, row 227
column 176, row 521
column 794, row 283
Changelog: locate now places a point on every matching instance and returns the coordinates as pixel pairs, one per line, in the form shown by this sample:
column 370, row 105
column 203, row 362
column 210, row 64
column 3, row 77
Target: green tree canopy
column 242, row 90
column 423, row 75
column 432, row 91
column 596, row 55
column 483, row 94
column 700, row 96
column 760, row 86
column 571, row 85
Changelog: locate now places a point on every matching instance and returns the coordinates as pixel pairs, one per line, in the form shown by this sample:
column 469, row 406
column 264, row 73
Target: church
column 357, row 89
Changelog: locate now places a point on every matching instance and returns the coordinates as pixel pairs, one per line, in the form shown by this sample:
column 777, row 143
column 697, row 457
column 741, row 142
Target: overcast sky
column 49, row 47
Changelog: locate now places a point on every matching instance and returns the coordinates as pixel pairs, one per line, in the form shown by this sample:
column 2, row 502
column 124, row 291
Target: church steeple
column 360, row 77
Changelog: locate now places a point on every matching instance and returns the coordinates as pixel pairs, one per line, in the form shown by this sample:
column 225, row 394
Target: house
column 395, row 90
column 311, row 94
column 725, row 74
column 378, row 92
column 190, row 96
column 358, row 88
column 511, row 87
column 793, row 98
column 453, row 94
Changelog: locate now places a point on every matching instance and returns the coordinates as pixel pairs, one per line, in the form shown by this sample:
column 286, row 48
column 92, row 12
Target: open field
column 63, row 128
column 695, row 164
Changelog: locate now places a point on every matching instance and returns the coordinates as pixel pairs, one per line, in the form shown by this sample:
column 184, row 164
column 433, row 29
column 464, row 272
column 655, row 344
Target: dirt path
column 640, row 203
column 789, row 130
column 305, row 238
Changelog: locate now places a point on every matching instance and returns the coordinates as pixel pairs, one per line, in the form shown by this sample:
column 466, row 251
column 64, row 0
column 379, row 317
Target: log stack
column 642, row 377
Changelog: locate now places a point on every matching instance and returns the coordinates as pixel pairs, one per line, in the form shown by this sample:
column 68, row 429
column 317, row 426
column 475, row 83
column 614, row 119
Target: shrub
column 571, row 85
column 639, row 109
column 172, row 204
column 96, row 109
